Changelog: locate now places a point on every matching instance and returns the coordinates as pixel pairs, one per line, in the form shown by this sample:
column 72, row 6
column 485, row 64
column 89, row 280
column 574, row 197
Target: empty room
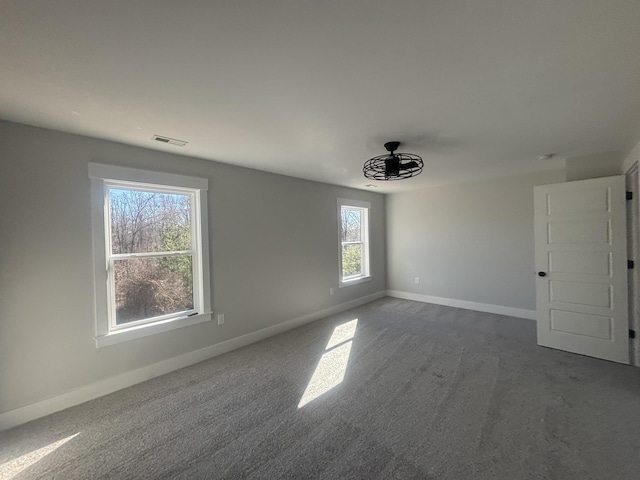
column 319, row 239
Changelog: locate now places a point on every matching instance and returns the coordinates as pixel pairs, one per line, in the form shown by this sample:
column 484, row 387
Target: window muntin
column 151, row 252
column 354, row 241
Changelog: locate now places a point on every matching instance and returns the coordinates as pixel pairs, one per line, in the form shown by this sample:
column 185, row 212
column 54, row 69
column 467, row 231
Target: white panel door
column 581, row 267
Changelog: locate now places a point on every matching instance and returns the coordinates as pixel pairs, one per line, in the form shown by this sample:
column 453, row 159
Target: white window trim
column 366, row 276
column 101, row 175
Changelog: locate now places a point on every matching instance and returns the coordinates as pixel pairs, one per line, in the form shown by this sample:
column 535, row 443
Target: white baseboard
column 452, row 302
column 36, row 410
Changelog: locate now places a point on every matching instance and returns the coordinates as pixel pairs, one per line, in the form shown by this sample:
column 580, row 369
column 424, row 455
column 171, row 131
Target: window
column 151, row 252
column 354, row 241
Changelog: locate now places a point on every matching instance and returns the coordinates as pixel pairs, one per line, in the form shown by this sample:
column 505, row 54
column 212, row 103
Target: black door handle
column 542, row 274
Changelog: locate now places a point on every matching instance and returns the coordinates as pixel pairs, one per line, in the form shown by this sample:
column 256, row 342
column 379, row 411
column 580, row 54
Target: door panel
column 581, row 324
column 585, row 263
column 580, row 238
column 580, row 293
column 579, row 231
column 587, row 201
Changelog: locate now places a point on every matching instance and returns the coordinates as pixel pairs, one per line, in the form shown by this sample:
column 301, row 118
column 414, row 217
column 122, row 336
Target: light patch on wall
column 333, row 364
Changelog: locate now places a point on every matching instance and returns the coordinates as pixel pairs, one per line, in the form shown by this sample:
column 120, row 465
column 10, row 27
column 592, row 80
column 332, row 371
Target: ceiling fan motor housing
column 392, row 166
column 391, row 146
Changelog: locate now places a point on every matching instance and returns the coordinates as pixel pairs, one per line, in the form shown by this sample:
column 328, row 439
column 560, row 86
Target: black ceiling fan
column 393, row 166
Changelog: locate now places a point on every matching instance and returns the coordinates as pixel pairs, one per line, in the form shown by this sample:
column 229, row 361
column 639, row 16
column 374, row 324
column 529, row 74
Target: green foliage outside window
column 351, row 260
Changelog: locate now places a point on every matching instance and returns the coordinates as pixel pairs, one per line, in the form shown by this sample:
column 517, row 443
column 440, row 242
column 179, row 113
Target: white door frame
column 633, row 253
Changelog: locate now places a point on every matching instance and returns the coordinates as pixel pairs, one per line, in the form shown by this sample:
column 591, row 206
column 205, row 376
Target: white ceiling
column 312, row 88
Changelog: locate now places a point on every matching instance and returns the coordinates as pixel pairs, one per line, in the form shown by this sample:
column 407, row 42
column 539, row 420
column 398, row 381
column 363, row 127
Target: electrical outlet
column 331, row 291
column 220, row 318
column 416, row 280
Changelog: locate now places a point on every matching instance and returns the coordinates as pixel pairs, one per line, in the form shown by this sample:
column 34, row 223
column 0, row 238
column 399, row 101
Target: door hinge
column 629, row 195
column 632, row 334
column 631, row 264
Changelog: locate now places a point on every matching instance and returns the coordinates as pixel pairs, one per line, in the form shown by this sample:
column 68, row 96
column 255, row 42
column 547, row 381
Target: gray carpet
column 428, row 392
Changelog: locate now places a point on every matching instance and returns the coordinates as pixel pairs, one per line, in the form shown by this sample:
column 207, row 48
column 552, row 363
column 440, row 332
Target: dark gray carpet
column 429, row 392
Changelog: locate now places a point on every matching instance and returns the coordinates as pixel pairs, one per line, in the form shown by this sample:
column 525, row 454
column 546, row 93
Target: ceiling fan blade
column 408, row 165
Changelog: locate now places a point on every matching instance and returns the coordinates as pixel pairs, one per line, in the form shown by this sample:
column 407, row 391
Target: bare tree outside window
column 158, row 226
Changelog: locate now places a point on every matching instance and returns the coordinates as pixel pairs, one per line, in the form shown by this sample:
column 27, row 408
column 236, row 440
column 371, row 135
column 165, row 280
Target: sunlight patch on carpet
column 333, row 364
column 13, row 467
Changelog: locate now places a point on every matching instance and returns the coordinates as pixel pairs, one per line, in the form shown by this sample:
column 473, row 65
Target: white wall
column 273, row 246
column 470, row 242
column 632, row 156
column 598, row 165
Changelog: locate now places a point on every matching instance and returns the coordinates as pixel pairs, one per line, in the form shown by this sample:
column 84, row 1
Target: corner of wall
column 631, row 157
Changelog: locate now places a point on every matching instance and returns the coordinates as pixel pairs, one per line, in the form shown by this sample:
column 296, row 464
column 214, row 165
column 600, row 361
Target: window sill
column 150, row 329
column 354, row 281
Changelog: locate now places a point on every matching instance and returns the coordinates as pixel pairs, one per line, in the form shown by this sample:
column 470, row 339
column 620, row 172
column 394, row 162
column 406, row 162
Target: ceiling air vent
column 171, row 141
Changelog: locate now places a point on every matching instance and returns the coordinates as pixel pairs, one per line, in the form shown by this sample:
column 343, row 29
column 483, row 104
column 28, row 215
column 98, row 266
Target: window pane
column 351, row 224
column 143, row 221
column 150, row 287
column 351, row 259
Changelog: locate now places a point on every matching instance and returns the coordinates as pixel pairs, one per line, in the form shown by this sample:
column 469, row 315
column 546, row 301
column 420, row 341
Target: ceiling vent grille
column 171, row 141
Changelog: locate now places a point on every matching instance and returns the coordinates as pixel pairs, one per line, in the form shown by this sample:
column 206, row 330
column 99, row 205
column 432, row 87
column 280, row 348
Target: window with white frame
column 353, row 217
column 151, row 252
